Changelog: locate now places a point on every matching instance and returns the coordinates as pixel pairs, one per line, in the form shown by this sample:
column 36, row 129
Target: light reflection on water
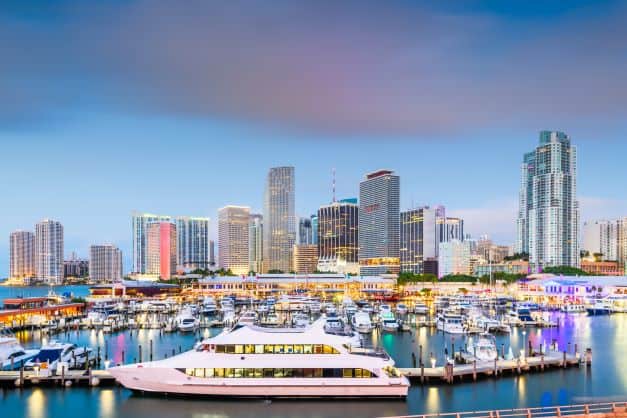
column 606, row 380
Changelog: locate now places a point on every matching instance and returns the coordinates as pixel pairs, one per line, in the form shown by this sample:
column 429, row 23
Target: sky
column 181, row 107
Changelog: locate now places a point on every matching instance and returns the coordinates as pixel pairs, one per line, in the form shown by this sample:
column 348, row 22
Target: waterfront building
column 22, row 255
column 454, row 258
column 419, row 239
column 520, row 267
column 75, row 267
column 105, row 263
column 338, row 247
column 233, row 238
column 161, row 249
column 49, row 251
column 140, row 222
column 490, row 251
column 553, row 290
column 192, row 235
column 314, row 229
column 279, row 229
column 255, row 243
column 379, row 223
column 548, row 216
column 601, row 268
column 305, row 232
column 305, row 258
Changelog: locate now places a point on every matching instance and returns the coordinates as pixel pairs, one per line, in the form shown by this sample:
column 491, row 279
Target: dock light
column 107, row 363
column 432, row 362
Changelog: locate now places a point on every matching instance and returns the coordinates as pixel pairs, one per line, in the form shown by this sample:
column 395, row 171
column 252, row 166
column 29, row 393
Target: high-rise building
column 75, row 267
column 450, row 229
column 279, row 229
column 338, row 247
column 255, row 243
column 621, row 237
column 601, row 237
column 379, row 223
column 305, row 232
column 548, row 218
column 192, row 235
column 105, row 263
column 233, row 238
column 314, row 229
column 212, row 253
column 22, row 255
column 49, row 251
column 305, row 258
column 140, row 222
column 419, row 239
column 454, row 258
column 161, row 249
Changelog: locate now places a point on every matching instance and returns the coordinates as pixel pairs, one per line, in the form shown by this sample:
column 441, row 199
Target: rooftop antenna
column 333, row 184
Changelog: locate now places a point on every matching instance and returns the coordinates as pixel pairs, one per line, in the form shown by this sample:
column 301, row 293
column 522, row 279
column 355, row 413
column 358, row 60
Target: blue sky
column 177, row 109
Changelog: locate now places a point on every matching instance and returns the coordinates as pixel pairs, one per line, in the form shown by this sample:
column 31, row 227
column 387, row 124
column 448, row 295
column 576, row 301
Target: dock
column 457, row 373
column 15, row 379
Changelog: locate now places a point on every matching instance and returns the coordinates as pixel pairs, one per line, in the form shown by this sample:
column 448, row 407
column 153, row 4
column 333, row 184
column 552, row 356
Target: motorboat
column 248, row 318
column 401, row 309
column 255, row 362
column 300, row 320
column 209, row 306
column 55, row 352
column 389, row 322
column 421, row 309
column 599, row 308
column 573, row 308
column 186, row 322
column 333, row 324
column 361, row 322
column 484, row 348
column 12, row 354
column 450, row 322
column 384, row 309
column 270, row 320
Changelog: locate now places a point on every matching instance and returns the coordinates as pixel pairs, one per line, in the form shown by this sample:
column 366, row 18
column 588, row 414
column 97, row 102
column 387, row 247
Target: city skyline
column 95, row 129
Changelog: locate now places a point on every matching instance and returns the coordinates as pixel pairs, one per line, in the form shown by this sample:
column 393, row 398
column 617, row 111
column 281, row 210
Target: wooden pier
column 452, row 373
column 16, row 379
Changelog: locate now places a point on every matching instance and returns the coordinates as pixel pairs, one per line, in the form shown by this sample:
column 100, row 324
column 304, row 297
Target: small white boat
column 300, row 320
column 361, row 322
column 186, row 322
column 421, row 309
column 484, row 349
column 12, row 354
column 248, row 318
column 401, row 309
column 573, row 308
column 450, row 322
column 270, row 320
column 54, row 353
column 389, row 322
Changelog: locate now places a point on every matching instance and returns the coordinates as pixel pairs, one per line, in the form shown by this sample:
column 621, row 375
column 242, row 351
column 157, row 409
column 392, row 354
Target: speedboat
column 450, row 322
column 254, row 362
column 55, row 352
column 12, row 354
column 186, row 322
column 484, row 349
column 401, row 309
column 361, row 322
column 247, row 318
column 333, row 324
column 384, row 309
column 209, row 306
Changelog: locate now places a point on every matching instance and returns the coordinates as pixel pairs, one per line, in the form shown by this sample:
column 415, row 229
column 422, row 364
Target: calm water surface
column 606, row 380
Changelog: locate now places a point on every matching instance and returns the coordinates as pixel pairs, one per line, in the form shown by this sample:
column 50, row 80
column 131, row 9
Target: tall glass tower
column 192, row 235
column 279, row 230
column 548, row 217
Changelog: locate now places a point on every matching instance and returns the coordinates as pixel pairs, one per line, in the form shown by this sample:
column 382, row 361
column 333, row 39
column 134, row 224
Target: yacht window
column 328, row 349
column 318, row 349
column 259, row 349
column 220, row 349
column 289, row 349
column 199, row 372
column 318, row 373
column 239, row 349
column 347, row 373
column 209, row 373
column 278, row 349
column 307, row 349
column 230, row 349
column 268, row 349
column 229, row 372
column 308, row 373
column 298, row 373
column 249, row 349
column 298, row 349
column 268, row 372
column 288, row 372
column 238, row 373
column 218, row 372
column 258, row 373
column 278, row 373
column 358, row 373
column 189, row 372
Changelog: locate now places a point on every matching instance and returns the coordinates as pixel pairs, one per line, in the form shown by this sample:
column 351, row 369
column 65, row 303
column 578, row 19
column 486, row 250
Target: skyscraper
column 601, row 237
column 255, row 243
column 548, row 218
column 140, row 222
column 419, row 239
column 212, row 253
column 49, row 251
column 305, row 231
column 22, row 255
column 161, row 249
column 279, row 230
column 233, row 238
column 338, row 248
column 379, row 223
column 305, row 258
column 105, row 263
column 192, row 243
column 454, row 258
column 314, row 229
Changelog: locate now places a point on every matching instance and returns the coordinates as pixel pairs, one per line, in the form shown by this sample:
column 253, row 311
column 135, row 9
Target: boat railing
column 538, row 412
column 369, row 351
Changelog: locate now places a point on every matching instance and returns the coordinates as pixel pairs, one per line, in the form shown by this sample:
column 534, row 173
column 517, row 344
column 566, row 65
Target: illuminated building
column 548, row 217
column 279, row 228
column 161, row 249
column 305, row 232
column 233, row 238
column 338, row 247
column 192, row 243
column 305, row 258
column 140, row 223
column 49, row 251
column 419, row 239
column 22, row 255
column 454, row 258
column 105, row 263
column 379, row 223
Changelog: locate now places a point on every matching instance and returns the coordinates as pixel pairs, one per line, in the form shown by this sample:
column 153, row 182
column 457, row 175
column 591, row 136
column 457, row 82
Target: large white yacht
column 250, row 361
column 12, row 354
